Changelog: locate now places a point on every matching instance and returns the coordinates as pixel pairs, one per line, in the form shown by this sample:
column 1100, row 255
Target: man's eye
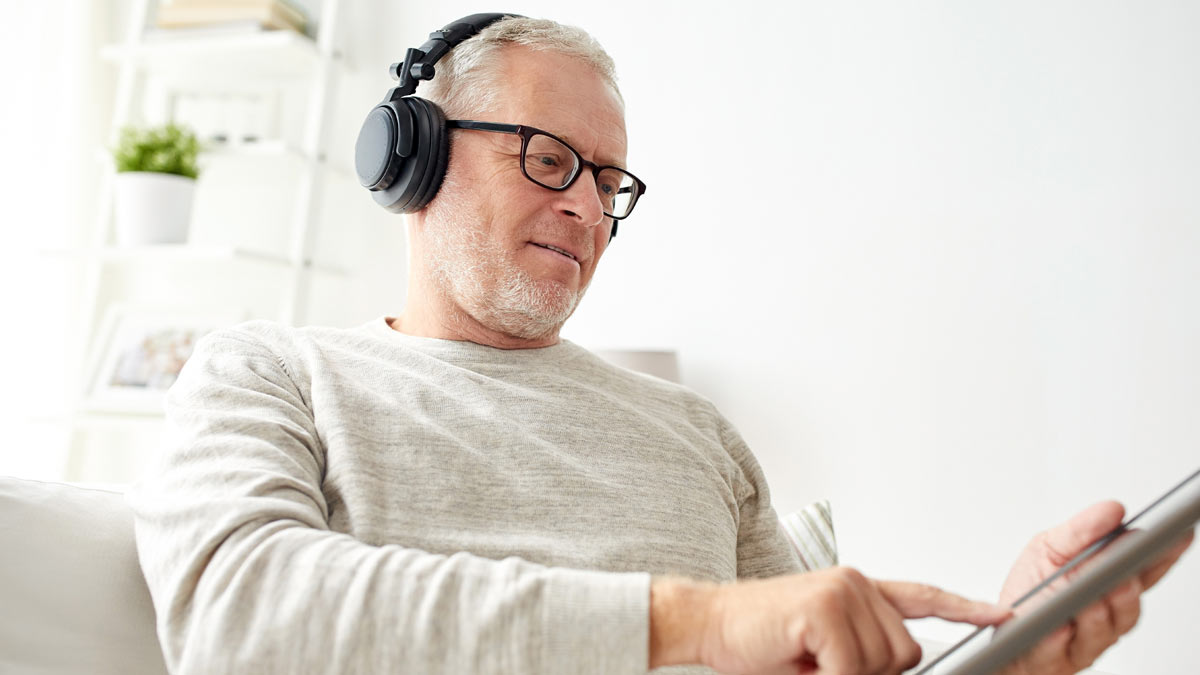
column 547, row 160
column 608, row 189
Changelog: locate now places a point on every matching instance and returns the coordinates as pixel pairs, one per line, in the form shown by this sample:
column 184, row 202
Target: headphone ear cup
column 418, row 175
column 383, row 144
column 431, row 123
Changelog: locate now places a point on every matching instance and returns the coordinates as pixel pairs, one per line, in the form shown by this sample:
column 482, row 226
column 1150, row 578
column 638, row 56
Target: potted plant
column 154, row 185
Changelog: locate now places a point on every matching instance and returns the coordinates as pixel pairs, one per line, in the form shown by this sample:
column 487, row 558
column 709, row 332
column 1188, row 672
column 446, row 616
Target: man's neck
column 445, row 320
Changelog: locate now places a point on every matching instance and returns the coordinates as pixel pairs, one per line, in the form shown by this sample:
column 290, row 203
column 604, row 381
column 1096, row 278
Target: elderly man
column 457, row 489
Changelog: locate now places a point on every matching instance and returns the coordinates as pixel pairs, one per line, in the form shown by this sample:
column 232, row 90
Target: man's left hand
column 1076, row 645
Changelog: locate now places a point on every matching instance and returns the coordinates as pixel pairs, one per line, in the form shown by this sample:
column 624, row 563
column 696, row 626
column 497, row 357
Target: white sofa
column 73, row 597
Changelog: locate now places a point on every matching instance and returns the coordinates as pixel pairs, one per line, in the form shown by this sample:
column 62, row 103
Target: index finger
column 918, row 601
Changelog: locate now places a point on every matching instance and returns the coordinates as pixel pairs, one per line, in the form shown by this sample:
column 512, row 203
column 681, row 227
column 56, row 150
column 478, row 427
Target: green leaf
column 164, row 149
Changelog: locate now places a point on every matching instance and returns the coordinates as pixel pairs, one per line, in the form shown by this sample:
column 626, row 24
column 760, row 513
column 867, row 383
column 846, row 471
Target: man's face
column 486, row 233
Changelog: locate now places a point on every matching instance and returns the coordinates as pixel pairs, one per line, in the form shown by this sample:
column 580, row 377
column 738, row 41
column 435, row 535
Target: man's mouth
column 555, row 249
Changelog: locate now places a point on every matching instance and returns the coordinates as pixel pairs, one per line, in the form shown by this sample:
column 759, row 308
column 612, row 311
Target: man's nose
column 581, row 202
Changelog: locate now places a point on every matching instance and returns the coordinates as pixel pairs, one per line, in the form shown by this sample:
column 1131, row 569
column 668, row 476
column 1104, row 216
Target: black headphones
column 402, row 148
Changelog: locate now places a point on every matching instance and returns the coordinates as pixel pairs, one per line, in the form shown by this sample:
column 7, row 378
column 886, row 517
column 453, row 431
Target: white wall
column 937, row 261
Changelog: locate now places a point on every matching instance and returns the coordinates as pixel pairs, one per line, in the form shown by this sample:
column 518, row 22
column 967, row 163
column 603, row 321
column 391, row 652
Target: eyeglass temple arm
column 484, row 126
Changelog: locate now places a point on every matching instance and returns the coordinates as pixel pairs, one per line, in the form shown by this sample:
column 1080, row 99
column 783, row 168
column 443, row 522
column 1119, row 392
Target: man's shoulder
column 265, row 335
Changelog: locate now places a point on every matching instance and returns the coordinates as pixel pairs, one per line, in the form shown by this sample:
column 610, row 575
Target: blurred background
column 937, row 261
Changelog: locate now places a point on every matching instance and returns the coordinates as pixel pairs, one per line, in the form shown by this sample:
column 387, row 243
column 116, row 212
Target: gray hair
column 466, row 81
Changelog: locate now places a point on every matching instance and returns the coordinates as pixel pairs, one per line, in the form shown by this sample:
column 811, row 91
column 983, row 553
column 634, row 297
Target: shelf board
column 267, row 149
column 182, row 253
column 270, row 149
column 93, row 419
column 220, row 57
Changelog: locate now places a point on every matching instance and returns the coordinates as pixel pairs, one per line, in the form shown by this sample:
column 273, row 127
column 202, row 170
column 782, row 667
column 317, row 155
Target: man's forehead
column 567, row 97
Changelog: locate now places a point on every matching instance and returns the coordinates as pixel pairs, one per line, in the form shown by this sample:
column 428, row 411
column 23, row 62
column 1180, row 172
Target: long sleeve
column 762, row 549
column 246, row 574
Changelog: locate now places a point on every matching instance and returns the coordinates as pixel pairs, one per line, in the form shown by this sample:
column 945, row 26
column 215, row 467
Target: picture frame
column 141, row 352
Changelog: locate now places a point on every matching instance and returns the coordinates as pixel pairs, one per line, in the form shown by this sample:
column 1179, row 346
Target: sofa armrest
column 75, row 600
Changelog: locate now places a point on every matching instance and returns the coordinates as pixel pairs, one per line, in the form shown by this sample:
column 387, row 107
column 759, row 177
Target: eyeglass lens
column 550, row 163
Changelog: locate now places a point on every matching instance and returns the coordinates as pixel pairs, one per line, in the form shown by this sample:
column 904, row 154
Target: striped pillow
column 810, row 531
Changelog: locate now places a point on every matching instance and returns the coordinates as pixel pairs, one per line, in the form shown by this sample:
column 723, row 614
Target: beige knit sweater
column 363, row 501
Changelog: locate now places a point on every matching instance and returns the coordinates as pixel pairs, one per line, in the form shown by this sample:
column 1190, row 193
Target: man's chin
column 538, row 311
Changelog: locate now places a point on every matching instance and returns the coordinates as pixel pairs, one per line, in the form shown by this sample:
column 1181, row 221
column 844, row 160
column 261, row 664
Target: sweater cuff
column 596, row 622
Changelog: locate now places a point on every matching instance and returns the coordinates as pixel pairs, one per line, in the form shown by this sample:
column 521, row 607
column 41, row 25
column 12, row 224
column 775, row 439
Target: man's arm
column 246, row 575
column 678, row 609
column 774, row 620
column 833, row 620
column 763, row 549
column 837, row 620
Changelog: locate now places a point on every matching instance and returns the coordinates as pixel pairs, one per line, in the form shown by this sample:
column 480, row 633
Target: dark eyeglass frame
column 527, row 132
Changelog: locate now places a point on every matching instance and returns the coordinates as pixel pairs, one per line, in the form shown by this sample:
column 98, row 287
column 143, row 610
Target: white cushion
column 810, row 531
column 74, row 600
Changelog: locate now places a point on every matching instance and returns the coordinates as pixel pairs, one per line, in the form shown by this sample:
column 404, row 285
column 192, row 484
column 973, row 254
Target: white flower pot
column 152, row 208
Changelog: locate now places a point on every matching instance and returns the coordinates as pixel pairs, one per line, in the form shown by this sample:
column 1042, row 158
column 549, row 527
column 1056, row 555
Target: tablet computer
column 1118, row 555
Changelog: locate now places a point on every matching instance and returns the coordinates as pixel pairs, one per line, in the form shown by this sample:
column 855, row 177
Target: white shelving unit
column 209, row 61
column 186, row 252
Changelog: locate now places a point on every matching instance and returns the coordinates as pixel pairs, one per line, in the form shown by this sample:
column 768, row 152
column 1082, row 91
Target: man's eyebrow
column 613, row 162
column 601, row 161
column 610, row 162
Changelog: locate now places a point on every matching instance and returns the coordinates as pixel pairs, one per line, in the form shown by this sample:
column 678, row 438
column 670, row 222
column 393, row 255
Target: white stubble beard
column 461, row 258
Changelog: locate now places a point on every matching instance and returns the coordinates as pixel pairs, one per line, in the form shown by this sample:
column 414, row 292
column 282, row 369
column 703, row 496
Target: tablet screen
column 1118, row 555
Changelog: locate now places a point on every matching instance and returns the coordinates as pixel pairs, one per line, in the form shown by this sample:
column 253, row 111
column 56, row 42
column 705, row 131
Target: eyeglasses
column 550, row 162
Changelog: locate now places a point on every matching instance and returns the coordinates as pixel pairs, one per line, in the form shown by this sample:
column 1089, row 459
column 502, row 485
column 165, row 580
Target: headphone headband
column 418, row 62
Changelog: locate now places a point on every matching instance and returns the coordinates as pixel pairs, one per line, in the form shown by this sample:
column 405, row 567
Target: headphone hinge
column 403, row 72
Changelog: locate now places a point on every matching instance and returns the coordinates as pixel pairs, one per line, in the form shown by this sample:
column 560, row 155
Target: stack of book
column 231, row 15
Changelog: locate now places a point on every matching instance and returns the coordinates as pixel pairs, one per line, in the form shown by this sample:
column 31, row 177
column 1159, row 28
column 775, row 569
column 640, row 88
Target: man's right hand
column 829, row 621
